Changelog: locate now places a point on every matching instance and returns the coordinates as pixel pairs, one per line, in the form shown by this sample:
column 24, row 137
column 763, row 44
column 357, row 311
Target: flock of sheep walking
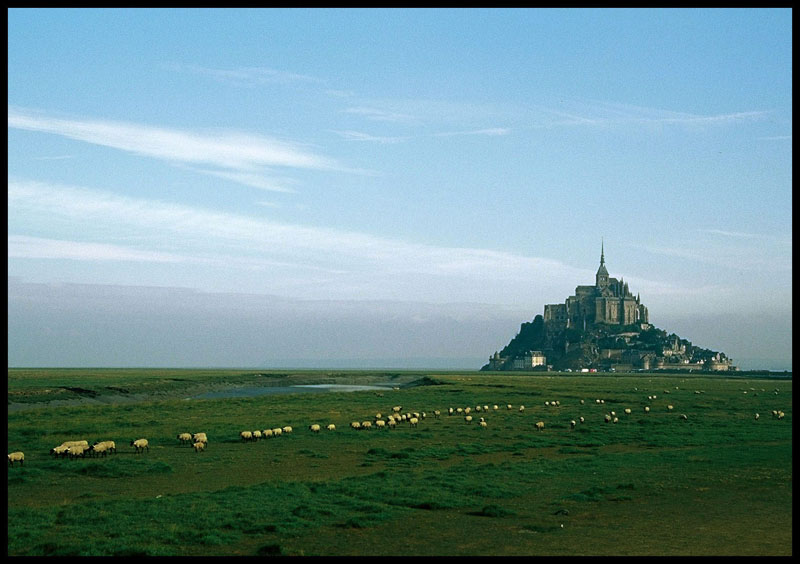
column 199, row 441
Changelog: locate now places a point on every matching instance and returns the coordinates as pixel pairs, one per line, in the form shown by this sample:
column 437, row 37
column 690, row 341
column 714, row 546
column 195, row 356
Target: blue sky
column 401, row 185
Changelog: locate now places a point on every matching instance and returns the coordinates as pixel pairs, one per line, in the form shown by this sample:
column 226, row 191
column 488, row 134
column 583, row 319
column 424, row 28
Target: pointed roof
column 602, row 269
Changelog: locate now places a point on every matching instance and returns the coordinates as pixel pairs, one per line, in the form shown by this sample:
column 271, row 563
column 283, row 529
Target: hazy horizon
column 251, row 186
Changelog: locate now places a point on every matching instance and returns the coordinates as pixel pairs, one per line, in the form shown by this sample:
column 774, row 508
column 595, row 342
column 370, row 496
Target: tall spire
column 602, row 256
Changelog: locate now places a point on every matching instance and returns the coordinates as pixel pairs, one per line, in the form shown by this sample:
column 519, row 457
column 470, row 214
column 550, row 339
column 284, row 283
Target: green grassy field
column 716, row 483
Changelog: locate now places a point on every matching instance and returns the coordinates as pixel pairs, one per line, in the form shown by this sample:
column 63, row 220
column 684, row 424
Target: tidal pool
column 298, row 388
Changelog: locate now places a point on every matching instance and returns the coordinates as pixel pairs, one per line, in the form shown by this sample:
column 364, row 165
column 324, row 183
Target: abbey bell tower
column 601, row 278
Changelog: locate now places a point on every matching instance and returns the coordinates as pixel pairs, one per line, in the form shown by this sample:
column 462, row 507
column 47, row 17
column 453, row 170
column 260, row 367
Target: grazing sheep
column 468, row 418
column 539, row 425
column 757, row 416
column 380, row 424
column 141, row 444
column 582, row 402
column 509, row 406
column 522, row 408
column 287, row 429
column 781, row 414
column 60, row 450
column 76, row 443
column 392, row 423
column 478, row 408
column 572, row 424
column 112, row 446
column 613, row 414
column 16, row 457
column 597, row 401
column 436, row 414
column 486, row 408
column 397, row 408
column 199, row 445
column 547, row 403
column 413, row 421
column 366, row 425
column 683, row 416
column 647, row 409
column 267, row 433
column 246, row 435
column 467, row 410
column 669, row 408
column 459, row 410
column 378, row 416
column 450, row 411
column 256, row 435
column 607, row 417
column 331, row 427
column 482, row 424
column 185, row 438
column 615, row 420
column 627, row 411
column 315, row 428
column 77, row 450
column 276, row 432
column 98, row 448
column 200, row 437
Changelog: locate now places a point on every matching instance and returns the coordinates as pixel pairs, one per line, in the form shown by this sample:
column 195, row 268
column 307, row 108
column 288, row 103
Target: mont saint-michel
column 602, row 327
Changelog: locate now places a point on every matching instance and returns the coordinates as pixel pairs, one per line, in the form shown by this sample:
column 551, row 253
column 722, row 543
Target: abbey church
column 608, row 301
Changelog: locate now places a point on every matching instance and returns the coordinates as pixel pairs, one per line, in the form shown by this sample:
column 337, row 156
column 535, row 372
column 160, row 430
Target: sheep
column 607, row 417
column 486, row 408
column 413, row 421
column 287, row 429
column 615, row 420
column 582, row 402
column 185, row 438
column 450, row 411
column 468, row 419
column 77, row 450
column 509, row 406
column 495, row 407
column 199, row 446
column 627, row 411
column 380, row 424
column 256, row 435
column 246, row 435
column 467, row 410
column 60, row 450
column 478, row 408
column 572, row 424
column 436, row 414
column 647, row 409
column 267, row 433
column 522, row 408
column 16, row 457
column 397, row 408
column 355, row 425
column 141, row 444
column 331, row 427
column 547, row 403
column 200, row 437
column 482, row 424
column 459, row 410
column 757, row 416
column 392, row 423
column 539, row 425
column 315, row 428
column 366, row 425
column 597, row 401
column 781, row 414
column 75, row 443
column 277, row 431
column 684, row 417
column 378, row 416
column 99, row 448
column 613, row 414
column 581, row 419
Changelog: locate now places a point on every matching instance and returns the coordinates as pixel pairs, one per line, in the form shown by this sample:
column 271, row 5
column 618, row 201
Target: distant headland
column 602, row 327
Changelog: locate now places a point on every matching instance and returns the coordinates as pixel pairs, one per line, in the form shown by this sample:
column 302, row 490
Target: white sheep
column 16, row 457
column 315, row 428
column 468, row 418
column 581, row 419
column 256, row 435
column 413, row 421
column 366, row 425
column 331, row 427
column 380, row 424
column 669, row 408
column 482, row 424
column 246, row 435
column 539, row 425
column 397, row 408
column 199, row 445
column 647, row 409
column 547, row 403
column 486, row 408
column 509, row 406
column 99, row 448
column 757, row 416
column 572, row 424
column 627, row 411
column 267, row 433
column 392, row 423
column 378, row 416
column 781, row 414
column 287, row 429
column 684, row 417
column 607, row 417
column 522, row 408
column 467, row 410
column 140, row 445
column 615, row 420
column 200, row 437
column 581, row 402
column 450, row 411
column 60, row 450
column 355, row 425
column 185, row 438
column 436, row 414
column 76, row 443
column 77, row 450
column 277, row 431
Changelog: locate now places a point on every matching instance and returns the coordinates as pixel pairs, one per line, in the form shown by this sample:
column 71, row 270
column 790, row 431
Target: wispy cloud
column 359, row 136
column 492, row 132
column 246, row 76
column 20, row 246
column 377, row 114
column 776, row 138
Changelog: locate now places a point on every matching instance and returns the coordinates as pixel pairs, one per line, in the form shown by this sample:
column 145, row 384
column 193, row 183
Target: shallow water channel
column 251, row 391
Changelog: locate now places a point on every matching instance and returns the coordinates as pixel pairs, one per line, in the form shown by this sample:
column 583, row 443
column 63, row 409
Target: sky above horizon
column 401, row 185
